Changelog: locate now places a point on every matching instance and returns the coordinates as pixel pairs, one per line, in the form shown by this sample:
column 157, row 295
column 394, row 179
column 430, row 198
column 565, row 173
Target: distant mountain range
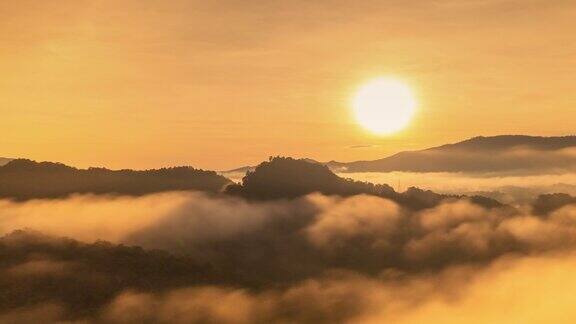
column 505, row 153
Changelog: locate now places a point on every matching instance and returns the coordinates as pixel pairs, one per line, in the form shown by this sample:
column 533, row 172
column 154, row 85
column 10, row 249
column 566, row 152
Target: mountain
column 283, row 177
column 240, row 172
column 506, row 153
column 25, row 179
column 4, row 161
column 286, row 178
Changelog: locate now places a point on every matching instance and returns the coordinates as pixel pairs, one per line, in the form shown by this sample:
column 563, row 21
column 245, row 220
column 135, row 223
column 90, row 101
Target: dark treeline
column 278, row 178
column 36, row 268
column 549, row 203
column 506, row 153
column 25, row 179
column 284, row 177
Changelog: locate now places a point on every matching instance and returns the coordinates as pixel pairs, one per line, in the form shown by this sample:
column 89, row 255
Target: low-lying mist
column 505, row 187
column 315, row 259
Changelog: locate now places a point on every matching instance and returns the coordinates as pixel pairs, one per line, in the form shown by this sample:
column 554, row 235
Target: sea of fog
column 514, row 189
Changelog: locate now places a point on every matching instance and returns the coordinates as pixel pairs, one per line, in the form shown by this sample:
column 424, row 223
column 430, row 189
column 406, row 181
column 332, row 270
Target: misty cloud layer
column 505, row 187
column 520, row 155
column 314, row 259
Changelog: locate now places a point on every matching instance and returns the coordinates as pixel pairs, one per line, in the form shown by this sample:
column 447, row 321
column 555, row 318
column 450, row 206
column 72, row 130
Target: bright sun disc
column 384, row 106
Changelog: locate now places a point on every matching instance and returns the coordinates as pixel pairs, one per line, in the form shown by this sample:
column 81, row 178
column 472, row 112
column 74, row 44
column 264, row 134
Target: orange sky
column 221, row 84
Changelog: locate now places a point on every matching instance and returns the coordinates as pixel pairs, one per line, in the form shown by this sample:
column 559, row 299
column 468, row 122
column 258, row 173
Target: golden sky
column 220, row 84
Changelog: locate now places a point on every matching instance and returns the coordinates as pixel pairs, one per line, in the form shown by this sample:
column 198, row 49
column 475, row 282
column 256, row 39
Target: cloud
column 505, row 291
column 276, row 240
column 315, row 259
column 360, row 146
column 87, row 217
column 518, row 290
column 353, row 218
column 526, row 290
column 507, row 188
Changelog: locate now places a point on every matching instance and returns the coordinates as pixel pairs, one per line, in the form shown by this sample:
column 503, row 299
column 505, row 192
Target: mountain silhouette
column 547, row 203
column 284, row 177
column 26, row 179
column 505, row 153
column 287, row 178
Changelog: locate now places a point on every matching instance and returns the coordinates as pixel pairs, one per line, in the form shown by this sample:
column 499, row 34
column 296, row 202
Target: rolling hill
column 26, row 179
column 506, row 153
column 288, row 178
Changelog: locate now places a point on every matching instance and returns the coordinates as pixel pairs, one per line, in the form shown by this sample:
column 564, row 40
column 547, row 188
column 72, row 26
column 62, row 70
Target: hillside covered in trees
column 25, row 179
column 285, row 178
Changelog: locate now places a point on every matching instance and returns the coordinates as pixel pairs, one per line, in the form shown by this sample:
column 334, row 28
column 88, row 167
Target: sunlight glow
column 384, row 106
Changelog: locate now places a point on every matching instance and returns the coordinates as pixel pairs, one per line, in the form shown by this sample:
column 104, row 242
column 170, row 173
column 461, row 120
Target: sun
column 384, row 106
